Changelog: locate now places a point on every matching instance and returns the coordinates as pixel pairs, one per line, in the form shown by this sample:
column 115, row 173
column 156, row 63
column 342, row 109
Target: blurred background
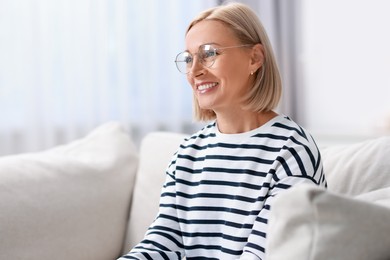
column 68, row 66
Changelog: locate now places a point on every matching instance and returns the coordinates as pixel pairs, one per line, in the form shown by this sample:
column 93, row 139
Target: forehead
column 209, row 31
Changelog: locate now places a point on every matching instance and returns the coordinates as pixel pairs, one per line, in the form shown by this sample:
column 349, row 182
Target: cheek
column 233, row 67
column 236, row 78
column 190, row 80
column 234, row 73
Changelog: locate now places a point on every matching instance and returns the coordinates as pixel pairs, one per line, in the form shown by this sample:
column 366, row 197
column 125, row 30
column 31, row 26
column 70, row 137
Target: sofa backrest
column 358, row 168
column 156, row 151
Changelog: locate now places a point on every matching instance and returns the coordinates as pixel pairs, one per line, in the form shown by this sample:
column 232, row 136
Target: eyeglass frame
column 201, row 59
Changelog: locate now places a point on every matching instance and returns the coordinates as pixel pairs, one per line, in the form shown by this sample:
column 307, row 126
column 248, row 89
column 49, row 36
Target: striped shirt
column 220, row 187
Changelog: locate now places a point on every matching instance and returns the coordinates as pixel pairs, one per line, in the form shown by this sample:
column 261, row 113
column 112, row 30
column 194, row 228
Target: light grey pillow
column 70, row 202
column 311, row 223
column 358, row 168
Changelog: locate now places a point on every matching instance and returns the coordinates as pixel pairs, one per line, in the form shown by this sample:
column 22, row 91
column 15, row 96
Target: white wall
column 346, row 61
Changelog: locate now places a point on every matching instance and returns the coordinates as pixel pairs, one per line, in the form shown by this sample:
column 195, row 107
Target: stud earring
column 251, row 72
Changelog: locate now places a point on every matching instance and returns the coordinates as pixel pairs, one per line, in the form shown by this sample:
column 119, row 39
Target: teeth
column 206, row 86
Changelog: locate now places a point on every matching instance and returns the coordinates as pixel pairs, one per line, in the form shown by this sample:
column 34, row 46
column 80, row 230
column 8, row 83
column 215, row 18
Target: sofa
column 94, row 198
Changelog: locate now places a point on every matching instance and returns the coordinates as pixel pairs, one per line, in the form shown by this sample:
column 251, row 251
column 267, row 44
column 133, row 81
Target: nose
column 197, row 67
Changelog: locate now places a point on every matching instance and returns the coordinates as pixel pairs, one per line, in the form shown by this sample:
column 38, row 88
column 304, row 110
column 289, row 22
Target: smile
column 203, row 87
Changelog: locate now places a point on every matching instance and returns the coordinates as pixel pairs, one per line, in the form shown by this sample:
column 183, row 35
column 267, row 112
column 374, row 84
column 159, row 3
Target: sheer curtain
column 67, row 66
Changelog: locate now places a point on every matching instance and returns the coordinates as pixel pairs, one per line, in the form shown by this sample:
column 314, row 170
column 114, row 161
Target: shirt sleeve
column 296, row 164
column 163, row 239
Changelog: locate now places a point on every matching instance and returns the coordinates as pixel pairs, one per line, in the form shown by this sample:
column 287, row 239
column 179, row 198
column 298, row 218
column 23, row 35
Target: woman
column 222, row 181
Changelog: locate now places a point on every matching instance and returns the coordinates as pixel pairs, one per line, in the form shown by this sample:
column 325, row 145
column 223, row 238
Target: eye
column 188, row 59
column 209, row 53
column 185, row 57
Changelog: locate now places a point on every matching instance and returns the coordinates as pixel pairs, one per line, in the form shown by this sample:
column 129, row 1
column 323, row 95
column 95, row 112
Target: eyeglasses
column 206, row 54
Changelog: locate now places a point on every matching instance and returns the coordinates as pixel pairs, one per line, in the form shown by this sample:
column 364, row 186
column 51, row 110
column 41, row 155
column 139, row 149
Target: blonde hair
column 267, row 88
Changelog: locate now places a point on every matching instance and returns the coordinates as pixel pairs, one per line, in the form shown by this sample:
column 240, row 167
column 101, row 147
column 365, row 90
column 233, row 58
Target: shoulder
column 291, row 140
column 299, row 148
column 291, row 133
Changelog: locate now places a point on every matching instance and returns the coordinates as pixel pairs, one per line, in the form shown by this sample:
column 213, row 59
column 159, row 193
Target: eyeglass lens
column 206, row 56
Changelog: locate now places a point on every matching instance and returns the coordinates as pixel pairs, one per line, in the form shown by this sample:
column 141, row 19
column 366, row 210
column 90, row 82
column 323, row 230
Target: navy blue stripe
column 318, row 164
column 210, row 208
column 129, row 257
column 301, row 132
column 164, row 255
column 217, row 169
column 258, row 233
column 274, row 176
column 168, row 229
column 168, row 194
column 167, row 236
column 319, row 158
column 271, row 136
column 201, row 258
column 245, row 146
column 147, row 256
column 146, row 252
column 282, row 186
column 324, row 181
column 215, row 234
column 215, row 247
column 255, row 246
column 191, row 158
column 172, row 162
column 170, row 175
column 298, row 159
column 230, row 146
column 202, row 136
column 262, row 220
column 239, row 158
column 308, row 151
column 169, row 184
column 207, row 222
column 284, row 165
column 218, row 196
column 225, row 157
column 193, row 146
column 154, row 243
column 222, row 183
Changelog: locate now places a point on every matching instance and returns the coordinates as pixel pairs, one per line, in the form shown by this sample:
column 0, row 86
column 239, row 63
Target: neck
column 235, row 122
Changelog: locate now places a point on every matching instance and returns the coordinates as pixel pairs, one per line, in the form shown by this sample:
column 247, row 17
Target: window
column 68, row 66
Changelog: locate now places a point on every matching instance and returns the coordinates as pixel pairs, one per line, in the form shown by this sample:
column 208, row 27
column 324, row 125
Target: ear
column 257, row 57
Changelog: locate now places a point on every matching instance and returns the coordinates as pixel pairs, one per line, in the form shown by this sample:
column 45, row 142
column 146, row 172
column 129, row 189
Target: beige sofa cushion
column 310, row 223
column 156, row 152
column 358, row 168
column 70, row 202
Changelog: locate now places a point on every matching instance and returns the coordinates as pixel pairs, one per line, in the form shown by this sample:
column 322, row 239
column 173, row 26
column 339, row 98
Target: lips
column 206, row 86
